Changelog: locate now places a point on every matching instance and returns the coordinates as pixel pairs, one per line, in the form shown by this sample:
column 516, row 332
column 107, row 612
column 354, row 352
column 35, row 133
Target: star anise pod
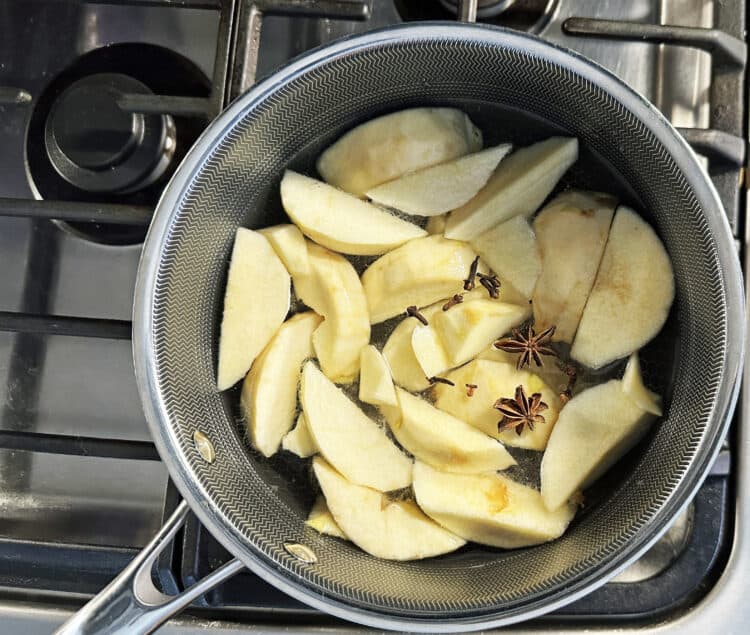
column 530, row 345
column 520, row 411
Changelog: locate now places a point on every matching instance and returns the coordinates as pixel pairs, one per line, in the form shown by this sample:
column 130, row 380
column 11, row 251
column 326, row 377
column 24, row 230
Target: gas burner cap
column 98, row 147
column 80, row 146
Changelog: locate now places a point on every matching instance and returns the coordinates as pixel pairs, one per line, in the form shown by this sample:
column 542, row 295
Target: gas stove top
column 98, row 103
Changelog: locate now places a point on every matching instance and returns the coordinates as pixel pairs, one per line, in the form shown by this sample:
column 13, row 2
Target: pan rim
column 167, row 207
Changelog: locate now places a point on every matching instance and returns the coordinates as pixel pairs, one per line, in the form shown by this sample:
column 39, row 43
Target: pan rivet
column 204, row 446
column 301, row 552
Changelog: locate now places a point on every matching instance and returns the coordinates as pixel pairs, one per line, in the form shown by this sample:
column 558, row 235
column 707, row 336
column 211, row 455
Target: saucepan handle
column 131, row 603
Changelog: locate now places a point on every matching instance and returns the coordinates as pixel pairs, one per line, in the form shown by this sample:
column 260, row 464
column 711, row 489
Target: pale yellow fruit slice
column 399, row 353
column 494, row 380
column 418, row 273
column 633, row 387
column 322, row 521
column 340, row 221
column 290, row 245
column 387, row 147
column 592, row 432
column 442, row 187
column 269, row 392
column 631, row 297
column 348, row 438
column 490, row 509
column 399, row 348
column 443, row 441
column 496, row 355
column 332, row 289
column 394, row 530
column 255, row 304
column 429, row 351
column 375, row 381
column 518, row 187
column 468, row 328
column 298, row 440
column 571, row 233
column 457, row 335
column 511, row 251
column 551, row 373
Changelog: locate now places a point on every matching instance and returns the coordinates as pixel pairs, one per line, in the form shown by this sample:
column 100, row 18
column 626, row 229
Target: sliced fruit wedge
column 442, row 187
column 348, row 438
column 399, row 348
column 340, row 221
column 466, row 329
column 394, row 530
column 511, row 251
column 429, row 351
column 457, row 335
column 493, row 380
column 518, row 187
column 298, row 440
column 443, row 441
column 551, row 373
column 399, row 352
column 571, row 233
column 390, row 146
column 269, row 392
column 490, row 509
column 631, row 297
column 255, row 304
column 322, row 521
column 332, row 289
column 633, row 386
column 290, row 245
column 375, row 381
column 419, row 273
column 593, row 431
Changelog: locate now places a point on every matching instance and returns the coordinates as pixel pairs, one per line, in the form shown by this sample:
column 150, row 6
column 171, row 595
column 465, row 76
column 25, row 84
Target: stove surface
column 81, row 487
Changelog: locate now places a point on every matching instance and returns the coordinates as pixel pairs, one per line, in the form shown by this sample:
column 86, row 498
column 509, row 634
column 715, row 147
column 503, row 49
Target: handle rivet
column 301, row 552
column 204, row 446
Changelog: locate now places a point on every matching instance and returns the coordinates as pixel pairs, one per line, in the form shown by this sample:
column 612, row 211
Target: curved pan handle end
column 131, row 603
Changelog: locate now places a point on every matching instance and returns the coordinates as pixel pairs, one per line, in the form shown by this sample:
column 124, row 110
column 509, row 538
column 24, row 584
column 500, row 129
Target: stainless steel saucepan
column 515, row 88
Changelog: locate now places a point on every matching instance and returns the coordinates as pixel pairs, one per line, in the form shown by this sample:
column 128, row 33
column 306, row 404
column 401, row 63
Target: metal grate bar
column 77, row 446
column 335, row 9
column 248, row 20
column 165, row 105
column 177, row 4
column 20, row 409
column 727, row 50
column 220, row 96
column 64, row 325
column 75, row 211
column 716, row 146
